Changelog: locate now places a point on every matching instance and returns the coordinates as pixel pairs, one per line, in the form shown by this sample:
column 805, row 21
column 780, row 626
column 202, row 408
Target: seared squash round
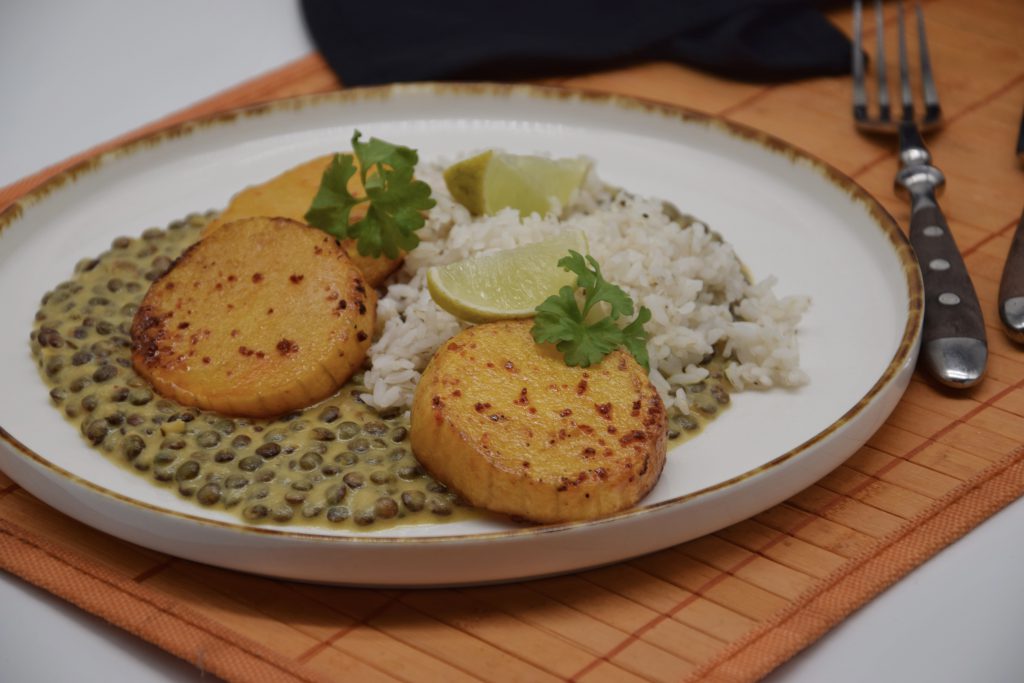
column 509, row 426
column 262, row 316
column 289, row 195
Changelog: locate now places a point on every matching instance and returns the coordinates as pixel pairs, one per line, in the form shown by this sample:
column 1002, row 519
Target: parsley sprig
column 562, row 322
column 394, row 198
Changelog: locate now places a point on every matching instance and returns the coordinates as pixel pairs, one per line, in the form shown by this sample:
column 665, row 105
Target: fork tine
column 932, row 111
column 860, row 95
column 880, row 68
column 906, row 94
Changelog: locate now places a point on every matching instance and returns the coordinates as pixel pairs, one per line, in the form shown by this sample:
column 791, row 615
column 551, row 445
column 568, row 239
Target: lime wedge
column 505, row 284
column 492, row 181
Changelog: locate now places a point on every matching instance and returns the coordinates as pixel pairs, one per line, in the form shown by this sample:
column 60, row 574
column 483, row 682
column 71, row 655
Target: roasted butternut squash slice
column 509, row 426
column 263, row 316
column 289, row 195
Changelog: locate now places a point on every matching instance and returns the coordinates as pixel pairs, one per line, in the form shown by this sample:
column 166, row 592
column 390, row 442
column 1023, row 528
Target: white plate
column 785, row 212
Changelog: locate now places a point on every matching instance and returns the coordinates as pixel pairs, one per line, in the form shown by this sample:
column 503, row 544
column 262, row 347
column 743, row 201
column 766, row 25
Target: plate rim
column 881, row 218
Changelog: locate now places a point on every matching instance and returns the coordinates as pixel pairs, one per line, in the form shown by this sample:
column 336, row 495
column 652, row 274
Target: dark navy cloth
column 383, row 41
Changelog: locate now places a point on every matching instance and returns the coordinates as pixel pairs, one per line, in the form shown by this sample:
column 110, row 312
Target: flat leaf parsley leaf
column 561, row 321
column 394, row 199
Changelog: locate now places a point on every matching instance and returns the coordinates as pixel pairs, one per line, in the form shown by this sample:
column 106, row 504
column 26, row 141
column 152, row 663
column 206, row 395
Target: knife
column 1011, row 287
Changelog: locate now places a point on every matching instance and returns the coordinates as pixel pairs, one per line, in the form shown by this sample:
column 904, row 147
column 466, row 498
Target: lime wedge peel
column 505, row 284
column 492, row 181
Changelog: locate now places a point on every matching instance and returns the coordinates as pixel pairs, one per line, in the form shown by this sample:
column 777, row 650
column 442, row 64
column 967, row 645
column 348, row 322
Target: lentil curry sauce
column 337, row 464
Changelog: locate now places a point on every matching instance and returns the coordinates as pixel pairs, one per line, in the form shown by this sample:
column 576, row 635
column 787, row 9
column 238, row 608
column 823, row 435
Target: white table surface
column 75, row 74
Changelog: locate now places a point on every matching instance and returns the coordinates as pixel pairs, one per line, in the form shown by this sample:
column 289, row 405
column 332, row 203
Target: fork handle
column 953, row 344
column 1011, row 287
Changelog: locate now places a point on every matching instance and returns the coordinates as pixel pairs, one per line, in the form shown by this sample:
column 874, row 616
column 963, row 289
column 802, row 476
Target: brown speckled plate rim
column 881, row 217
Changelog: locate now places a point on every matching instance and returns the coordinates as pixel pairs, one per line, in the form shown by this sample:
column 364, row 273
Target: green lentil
column 413, row 500
column 250, row 463
column 209, row 494
column 337, row 514
column 268, row 450
column 347, row 430
column 385, row 508
column 208, row 439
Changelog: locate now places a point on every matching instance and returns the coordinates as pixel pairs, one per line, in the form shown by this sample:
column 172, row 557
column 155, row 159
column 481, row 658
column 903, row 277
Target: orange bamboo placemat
column 730, row 606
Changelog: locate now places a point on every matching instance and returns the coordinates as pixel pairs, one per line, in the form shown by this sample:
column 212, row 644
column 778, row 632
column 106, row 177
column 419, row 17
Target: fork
column 953, row 344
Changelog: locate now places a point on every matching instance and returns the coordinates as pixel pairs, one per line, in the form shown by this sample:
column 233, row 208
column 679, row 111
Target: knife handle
column 1011, row 287
column 953, row 345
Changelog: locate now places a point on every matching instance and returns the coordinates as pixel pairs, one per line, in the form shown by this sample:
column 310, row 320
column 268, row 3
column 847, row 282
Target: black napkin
column 368, row 42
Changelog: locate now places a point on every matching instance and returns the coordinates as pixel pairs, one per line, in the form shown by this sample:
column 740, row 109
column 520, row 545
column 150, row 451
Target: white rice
column 692, row 282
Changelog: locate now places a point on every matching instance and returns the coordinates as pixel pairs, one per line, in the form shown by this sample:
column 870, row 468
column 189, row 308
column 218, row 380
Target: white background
column 76, row 74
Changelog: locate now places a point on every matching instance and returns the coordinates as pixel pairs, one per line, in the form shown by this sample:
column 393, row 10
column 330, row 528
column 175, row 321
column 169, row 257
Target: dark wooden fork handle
column 953, row 343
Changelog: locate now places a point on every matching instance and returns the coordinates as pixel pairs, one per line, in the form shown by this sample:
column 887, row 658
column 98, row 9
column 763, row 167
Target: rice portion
column 690, row 279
